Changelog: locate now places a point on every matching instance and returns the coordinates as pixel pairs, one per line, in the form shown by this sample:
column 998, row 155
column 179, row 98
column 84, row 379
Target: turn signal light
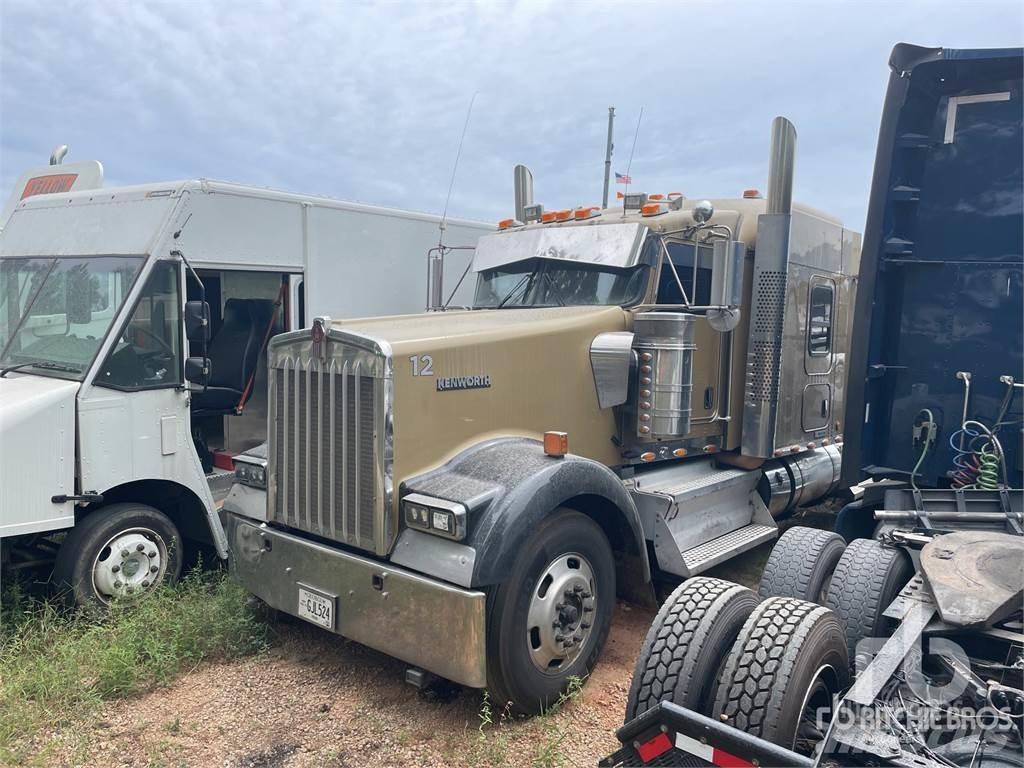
column 647, row 456
column 588, row 212
column 655, row 197
column 674, row 195
column 679, row 453
column 509, row 223
column 547, row 217
column 751, row 194
column 652, row 209
column 556, row 443
column 563, row 215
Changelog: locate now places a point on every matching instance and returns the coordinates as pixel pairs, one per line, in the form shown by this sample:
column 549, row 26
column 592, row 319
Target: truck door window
column 819, row 319
column 147, row 354
column 682, row 257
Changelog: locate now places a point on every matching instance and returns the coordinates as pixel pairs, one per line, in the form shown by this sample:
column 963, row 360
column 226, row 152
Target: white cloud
column 366, row 101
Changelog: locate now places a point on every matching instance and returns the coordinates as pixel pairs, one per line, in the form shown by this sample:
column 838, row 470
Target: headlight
column 254, row 475
column 437, row 516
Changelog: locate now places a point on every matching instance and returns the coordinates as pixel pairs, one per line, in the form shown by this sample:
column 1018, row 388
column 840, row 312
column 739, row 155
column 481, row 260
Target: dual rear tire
column 769, row 668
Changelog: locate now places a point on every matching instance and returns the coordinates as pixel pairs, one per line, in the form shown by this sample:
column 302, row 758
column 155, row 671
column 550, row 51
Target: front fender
column 509, row 485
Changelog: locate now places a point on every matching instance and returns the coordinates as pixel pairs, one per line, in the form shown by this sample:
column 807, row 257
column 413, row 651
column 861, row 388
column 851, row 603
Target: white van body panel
column 129, row 436
column 37, row 453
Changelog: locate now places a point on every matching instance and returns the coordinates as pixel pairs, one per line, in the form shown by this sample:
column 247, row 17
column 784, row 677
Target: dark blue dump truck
column 898, row 638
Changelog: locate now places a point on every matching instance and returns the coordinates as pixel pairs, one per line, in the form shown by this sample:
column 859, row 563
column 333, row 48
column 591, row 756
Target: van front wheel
column 123, row 550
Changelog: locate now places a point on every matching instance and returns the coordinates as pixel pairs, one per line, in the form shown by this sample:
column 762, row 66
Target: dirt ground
column 316, row 700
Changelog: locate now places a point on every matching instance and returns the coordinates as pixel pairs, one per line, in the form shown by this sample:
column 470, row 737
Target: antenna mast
column 435, row 256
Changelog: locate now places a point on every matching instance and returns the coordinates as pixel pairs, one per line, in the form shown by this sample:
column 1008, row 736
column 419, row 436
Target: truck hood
column 432, row 330
column 37, row 452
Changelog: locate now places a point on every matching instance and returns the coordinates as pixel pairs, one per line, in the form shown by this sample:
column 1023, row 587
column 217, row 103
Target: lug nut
column 117, row 585
column 153, row 569
column 139, row 547
column 124, row 553
column 151, row 554
column 585, row 625
column 577, row 588
column 115, row 568
column 559, row 637
column 145, row 582
column 588, row 608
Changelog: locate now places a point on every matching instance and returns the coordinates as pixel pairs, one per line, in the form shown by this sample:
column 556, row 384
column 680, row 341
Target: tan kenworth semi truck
column 636, row 390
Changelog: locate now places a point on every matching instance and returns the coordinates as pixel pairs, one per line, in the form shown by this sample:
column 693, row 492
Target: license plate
column 316, row 607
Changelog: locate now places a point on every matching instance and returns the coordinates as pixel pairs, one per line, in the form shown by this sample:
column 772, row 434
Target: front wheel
column 549, row 619
column 118, row 551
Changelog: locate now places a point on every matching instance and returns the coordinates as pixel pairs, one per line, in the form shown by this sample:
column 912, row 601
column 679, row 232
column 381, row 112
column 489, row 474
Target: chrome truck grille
column 330, row 438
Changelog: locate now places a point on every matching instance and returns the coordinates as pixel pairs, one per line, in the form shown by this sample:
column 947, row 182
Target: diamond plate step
column 711, row 480
column 720, row 549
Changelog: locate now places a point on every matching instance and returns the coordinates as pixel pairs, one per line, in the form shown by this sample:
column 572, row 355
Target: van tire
column 86, row 558
column 514, row 649
column 682, row 654
column 785, row 647
column 801, row 564
column 868, row 578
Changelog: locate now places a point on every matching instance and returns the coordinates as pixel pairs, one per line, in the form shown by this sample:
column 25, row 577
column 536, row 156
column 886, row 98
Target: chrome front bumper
column 425, row 623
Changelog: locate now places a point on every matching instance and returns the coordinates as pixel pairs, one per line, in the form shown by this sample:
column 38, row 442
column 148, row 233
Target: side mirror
column 197, row 321
column 198, row 370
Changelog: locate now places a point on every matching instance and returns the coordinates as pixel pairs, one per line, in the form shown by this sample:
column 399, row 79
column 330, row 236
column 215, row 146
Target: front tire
column 123, row 550
column 549, row 620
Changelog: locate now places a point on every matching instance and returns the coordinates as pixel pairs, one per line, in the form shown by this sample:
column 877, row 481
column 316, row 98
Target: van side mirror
column 197, row 321
column 198, row 370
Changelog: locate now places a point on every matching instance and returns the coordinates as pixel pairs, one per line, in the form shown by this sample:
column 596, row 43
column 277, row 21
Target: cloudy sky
column 366, row 101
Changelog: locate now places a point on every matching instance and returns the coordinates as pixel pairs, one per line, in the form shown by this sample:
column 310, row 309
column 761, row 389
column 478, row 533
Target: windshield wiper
column 39, row 364
column 515, row 289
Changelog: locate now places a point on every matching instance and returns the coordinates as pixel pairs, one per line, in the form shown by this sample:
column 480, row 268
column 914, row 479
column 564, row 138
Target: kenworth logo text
column 446, row 383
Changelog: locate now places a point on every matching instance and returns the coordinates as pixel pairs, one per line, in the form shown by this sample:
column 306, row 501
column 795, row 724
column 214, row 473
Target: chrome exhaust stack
column 522, row 182
column 781, row 164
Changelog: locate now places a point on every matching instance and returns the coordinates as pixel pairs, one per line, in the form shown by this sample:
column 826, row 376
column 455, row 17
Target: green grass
column 57, row 666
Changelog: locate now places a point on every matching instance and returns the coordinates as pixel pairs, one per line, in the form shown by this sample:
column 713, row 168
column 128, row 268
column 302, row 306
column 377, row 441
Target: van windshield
column 56, row 312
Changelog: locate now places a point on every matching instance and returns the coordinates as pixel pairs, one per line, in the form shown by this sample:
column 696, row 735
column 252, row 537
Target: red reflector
column 224, row 460
column 656, row 747
column 725, row 760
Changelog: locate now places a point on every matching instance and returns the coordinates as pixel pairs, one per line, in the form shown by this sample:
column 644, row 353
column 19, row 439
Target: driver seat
column 234, row 353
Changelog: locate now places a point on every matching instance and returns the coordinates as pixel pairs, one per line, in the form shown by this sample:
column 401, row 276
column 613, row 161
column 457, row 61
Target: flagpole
column 608, row 157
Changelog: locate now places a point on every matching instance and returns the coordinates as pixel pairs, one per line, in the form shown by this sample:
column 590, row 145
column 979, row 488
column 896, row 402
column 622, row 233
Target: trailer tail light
column 653, row 209
column 556, row 443
column 751, row 194
column 654, row 748
column 710, row 754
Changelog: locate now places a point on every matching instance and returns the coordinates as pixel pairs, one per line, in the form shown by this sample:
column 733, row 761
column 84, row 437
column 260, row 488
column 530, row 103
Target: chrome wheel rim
column 129, row 563
column 562, row 611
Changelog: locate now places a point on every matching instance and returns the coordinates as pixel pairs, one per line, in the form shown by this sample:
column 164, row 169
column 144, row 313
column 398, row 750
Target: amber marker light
column 556, row 443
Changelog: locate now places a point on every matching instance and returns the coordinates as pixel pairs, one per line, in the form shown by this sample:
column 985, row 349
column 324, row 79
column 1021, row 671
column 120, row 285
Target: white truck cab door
column 134, row 418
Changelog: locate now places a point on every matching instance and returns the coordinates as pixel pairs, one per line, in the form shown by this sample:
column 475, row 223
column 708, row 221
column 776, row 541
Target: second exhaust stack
column 781, row 160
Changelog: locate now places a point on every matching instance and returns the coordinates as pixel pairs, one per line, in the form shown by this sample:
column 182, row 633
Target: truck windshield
column 56, row 312
column 549, row 282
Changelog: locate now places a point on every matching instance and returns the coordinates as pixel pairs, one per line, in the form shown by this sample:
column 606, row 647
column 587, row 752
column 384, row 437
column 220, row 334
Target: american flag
column 623, row 179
